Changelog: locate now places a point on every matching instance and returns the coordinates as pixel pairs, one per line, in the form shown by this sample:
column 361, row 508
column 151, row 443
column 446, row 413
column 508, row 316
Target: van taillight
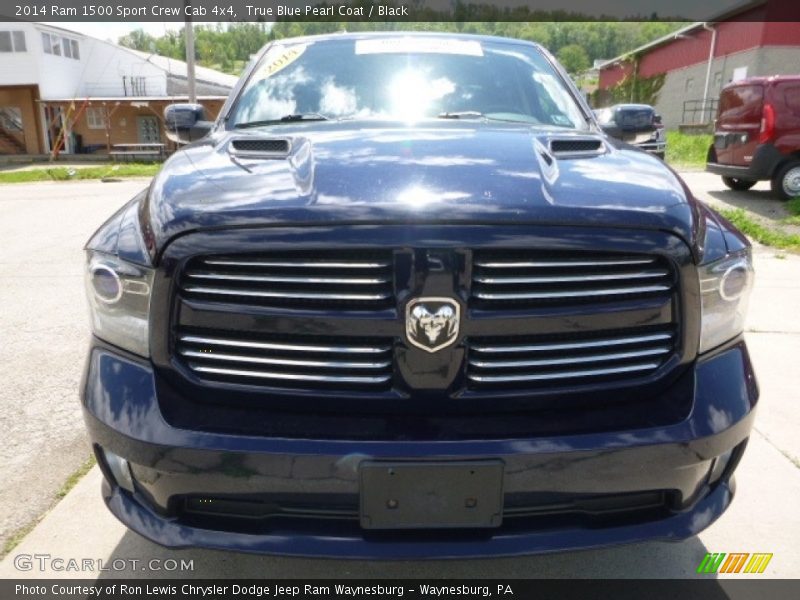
column 767, row 131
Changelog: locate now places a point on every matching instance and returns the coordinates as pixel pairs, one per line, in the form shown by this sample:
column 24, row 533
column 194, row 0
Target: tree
column 576, row 43
column 138, row 39
column 574, row 58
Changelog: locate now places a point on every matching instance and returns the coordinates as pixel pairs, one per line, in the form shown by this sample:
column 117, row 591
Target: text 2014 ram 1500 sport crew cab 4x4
column 403, row 299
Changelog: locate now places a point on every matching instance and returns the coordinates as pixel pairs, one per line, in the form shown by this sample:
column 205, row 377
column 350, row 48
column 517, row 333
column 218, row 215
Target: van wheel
column 740, row 185
column 786, row 183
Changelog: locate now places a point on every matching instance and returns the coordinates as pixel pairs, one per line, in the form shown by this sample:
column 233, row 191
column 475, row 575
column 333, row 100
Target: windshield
column 406, row 78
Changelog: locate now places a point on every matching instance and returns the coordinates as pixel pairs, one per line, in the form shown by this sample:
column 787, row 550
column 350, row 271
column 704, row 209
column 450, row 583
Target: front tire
column 740, row 185
column 786, row 183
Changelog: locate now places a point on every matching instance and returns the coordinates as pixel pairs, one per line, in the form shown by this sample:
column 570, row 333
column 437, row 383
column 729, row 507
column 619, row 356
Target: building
column 691, row 65
column 63, row 90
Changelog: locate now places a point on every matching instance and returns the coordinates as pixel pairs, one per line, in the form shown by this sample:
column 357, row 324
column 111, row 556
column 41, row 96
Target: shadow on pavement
column 758, row 202
column 646, row 560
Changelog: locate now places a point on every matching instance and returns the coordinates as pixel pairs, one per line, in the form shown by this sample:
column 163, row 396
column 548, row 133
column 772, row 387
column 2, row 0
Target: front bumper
column 123, row 415
column 659, row 148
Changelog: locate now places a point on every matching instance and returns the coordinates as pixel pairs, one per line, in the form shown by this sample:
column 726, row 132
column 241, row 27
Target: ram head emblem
column 432, row 323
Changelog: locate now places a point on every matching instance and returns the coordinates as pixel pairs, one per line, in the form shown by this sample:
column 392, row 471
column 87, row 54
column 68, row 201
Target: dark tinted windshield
column 406, row 78
column 634, row 119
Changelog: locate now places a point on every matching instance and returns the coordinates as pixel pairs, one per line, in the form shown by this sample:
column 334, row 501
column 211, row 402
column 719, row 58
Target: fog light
column 120, row 469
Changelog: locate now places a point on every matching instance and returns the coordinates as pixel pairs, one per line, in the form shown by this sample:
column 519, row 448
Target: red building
column 759, row 38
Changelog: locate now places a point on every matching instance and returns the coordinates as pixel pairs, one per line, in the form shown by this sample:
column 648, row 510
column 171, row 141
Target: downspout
column 711, row 51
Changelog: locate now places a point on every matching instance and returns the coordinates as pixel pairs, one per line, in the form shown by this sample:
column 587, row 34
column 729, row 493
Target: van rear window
column 791, row 96
column 741, row 103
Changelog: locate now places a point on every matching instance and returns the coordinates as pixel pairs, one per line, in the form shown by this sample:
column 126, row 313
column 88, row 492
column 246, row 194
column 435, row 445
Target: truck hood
column 387, row 172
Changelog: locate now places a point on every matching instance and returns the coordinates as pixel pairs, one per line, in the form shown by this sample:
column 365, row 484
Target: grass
column 684, row 150
column 103, row 171
column 19, row 535
column 768, row 236
column 76, row 476
column 793, row 206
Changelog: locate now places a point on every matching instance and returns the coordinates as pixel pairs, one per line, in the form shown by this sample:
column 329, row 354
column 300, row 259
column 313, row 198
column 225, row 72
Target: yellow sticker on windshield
column 278, row 59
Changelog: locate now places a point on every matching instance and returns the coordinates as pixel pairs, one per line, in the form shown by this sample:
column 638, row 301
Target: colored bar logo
column 735, row 562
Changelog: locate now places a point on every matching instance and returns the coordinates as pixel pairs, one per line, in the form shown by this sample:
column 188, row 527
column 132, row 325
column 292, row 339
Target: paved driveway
column 44, row 323
column 43, row 332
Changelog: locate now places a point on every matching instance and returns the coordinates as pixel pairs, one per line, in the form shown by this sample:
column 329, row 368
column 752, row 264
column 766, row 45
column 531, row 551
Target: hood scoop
column 255, row 147
column 576, row 147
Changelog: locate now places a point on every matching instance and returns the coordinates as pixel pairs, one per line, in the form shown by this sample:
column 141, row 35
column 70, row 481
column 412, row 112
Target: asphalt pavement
column 45, row 329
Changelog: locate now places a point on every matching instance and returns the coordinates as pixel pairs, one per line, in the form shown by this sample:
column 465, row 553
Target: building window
column 739, row 73
column 11, row 118
column 12, row 41
column 718, row 79
column 689, row 84
column 60, row 46
column 96, row 117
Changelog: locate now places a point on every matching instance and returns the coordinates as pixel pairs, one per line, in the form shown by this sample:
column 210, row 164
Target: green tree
column 574, row 58
column 576, row 43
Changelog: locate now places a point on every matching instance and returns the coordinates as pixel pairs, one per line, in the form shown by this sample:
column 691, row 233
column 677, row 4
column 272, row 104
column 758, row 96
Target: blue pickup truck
column 404, row 298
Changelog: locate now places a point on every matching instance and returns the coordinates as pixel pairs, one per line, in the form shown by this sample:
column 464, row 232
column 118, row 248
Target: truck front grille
column 301, row 363
column 331, row 322
column 574, row 359
column 512, row 278
column 355, row 280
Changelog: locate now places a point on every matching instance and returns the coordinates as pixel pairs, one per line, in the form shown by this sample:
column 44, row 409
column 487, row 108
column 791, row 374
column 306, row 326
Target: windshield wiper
column 464, row 114
column 304, row 117
column 285, row 119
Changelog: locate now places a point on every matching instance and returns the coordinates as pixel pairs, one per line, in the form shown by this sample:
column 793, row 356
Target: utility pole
column 188, row 31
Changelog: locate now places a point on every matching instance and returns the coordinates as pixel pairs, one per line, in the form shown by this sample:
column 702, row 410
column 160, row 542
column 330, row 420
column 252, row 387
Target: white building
column 65, row 89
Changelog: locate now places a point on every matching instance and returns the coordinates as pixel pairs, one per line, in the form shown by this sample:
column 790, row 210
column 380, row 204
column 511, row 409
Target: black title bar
column 371, row 589
column 397, row 10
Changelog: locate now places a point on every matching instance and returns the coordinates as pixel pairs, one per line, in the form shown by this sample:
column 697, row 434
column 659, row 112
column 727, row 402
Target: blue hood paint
column 348, row 172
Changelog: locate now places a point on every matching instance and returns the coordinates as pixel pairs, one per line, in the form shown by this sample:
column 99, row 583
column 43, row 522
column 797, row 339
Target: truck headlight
column 119, row 301
column 724, row 290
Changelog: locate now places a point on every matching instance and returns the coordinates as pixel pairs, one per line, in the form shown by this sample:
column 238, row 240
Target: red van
column 757, row 135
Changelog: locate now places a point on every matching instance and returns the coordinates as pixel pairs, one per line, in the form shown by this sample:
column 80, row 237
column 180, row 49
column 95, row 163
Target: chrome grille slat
column 564, row 263
column 282, row 346
column 298, row 264
column 199, row 289
column 290, row 376
column 571, row 278
column 571, row 293
column 499, row 364
column 285, row 279
column 324, row 364
column 588, row 344
column 563, row 374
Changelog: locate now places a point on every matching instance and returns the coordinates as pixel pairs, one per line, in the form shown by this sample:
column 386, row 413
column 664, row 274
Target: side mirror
column 184, row 123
